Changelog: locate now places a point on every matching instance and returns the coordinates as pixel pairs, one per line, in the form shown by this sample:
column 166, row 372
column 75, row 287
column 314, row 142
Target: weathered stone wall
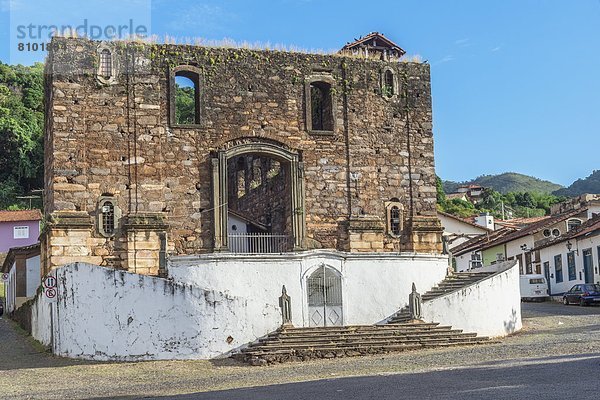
column 117, row 138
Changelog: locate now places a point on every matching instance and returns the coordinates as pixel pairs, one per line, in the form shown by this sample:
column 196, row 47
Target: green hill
column 507, row 182
column 591, row 184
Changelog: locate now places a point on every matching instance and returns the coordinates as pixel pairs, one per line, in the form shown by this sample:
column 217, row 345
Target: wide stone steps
column 298, row 344
column 451, row 283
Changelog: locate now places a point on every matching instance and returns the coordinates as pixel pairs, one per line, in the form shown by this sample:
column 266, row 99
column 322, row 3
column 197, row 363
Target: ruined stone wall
column 116, row 137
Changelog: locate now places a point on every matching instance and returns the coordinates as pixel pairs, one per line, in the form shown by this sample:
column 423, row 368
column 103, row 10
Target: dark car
column 583, row 294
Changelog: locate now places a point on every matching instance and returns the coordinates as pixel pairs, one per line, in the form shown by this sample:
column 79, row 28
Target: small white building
column 573, row 258
column 22, row 270
column 458, row 230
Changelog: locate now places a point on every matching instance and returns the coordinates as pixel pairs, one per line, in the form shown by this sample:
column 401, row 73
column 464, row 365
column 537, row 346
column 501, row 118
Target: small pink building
column 19, row 228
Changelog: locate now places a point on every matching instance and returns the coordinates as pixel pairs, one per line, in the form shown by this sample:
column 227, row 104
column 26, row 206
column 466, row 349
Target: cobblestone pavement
column 550, row 329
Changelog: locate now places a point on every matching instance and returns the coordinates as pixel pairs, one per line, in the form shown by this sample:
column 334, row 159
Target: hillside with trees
column 591, row 184
column 21, row 132
column 506, row 183
column 514, row 204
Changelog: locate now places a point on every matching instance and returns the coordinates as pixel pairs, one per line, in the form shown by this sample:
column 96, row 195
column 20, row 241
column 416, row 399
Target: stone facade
column 116, row 137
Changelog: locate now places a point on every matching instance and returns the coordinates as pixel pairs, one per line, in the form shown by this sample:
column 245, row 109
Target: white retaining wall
column 105, row 314
column 491, row 307
column 374, row 285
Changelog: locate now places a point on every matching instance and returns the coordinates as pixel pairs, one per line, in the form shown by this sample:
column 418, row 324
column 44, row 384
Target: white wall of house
column 459, row 231
column 463, row 262
column 10, row 287
column 491, row 307
column 547, row 254
column 374, row 285
column 33, row 275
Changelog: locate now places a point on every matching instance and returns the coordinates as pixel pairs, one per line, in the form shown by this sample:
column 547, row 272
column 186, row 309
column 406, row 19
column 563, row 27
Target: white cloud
column 497, row 48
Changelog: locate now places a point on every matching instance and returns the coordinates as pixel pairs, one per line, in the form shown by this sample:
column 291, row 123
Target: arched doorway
column 246, row 167
column 324, row 293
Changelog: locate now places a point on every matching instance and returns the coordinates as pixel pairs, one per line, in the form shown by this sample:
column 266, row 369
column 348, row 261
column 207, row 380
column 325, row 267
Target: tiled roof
column 481, row 241
column 588, row 227
column 516, row 234
column 373, row 35
column 21, row 215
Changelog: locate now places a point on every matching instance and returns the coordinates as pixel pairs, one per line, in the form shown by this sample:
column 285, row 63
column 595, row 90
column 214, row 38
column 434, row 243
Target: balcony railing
column 258, row 243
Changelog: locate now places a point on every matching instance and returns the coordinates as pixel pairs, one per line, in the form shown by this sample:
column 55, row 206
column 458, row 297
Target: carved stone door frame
column 220, row 188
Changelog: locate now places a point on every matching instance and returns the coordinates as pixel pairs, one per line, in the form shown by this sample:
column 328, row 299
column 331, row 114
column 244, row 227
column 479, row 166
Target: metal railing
column 258, row 243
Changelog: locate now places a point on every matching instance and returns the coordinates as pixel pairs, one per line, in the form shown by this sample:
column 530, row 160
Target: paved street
column 532, row 379
column 558, row 353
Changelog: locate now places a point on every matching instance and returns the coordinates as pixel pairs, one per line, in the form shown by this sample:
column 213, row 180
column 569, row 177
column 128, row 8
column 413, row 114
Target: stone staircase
column 450, row 284
column 301, row 344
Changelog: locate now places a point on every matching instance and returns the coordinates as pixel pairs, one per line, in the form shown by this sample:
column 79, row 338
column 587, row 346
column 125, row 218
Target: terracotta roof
column 527, row 230
column 373, row 35
column 21, row 215
column 520, row 222
column 587, row 228
column 481, row 241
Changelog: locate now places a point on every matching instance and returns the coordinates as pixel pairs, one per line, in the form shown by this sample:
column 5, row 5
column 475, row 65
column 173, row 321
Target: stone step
column 363, row 341
column 413, row 344
column 350, row 336
column 374, row 332
column 383, row 327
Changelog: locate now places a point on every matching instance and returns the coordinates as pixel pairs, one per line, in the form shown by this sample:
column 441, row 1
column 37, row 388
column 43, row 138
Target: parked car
column 583, row 294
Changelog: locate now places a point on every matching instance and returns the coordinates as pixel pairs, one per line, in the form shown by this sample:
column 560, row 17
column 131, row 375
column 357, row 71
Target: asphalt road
column 544, row 378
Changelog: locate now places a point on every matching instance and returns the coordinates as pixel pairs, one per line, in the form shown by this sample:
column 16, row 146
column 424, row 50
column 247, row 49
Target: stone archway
column 221, row 187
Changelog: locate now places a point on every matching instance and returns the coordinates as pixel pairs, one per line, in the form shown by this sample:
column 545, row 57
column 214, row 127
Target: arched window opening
column 388, row 83
column 108, row 216
column 105, row 64
column 186, row 88
column 395, row 220
column 321, row 106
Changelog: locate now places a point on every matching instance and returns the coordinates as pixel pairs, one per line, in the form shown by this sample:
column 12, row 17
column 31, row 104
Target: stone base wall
column 70, row 237
column 425, row 235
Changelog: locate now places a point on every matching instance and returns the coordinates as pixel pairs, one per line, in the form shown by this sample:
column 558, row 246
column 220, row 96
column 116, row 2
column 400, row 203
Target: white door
column 324, row 297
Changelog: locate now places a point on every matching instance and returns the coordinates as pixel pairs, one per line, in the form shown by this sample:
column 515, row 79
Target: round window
column 555, row 232
column 547, row 232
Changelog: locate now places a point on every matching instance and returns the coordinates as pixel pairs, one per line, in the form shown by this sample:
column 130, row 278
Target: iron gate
column 324, row 297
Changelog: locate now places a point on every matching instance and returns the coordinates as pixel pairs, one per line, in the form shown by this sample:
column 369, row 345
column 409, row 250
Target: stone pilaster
column 67, row 238
column 425, row 235
column 365, row 234
column 146, row 243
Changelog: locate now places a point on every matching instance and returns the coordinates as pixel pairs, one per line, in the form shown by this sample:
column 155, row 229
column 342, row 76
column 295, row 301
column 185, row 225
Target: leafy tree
column 185, row 105
column 21, row 132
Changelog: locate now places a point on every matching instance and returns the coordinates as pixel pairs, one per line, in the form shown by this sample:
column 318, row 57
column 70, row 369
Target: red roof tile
column 21, row 215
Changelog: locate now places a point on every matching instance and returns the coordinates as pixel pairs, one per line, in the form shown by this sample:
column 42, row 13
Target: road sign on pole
column 5, row 276
column 50, row 290
column 50, row 281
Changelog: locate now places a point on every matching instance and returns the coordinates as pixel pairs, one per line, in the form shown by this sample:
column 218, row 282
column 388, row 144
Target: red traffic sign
column 50, row 282
column 5, row 276
column 50, row 293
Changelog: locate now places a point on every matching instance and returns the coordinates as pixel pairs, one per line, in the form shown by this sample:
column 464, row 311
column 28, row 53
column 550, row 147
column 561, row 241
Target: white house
column 572, row 258
column 458, row 230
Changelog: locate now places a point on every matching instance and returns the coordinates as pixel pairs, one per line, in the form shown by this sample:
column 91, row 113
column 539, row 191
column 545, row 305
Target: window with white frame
column 21, row 232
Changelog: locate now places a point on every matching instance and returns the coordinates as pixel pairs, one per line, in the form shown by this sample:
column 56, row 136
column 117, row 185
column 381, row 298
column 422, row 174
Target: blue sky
column 516, row 83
